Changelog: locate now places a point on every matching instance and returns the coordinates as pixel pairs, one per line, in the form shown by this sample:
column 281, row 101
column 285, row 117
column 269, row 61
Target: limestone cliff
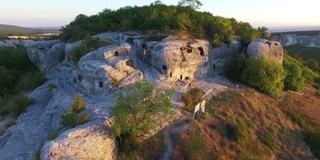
column 293, row 39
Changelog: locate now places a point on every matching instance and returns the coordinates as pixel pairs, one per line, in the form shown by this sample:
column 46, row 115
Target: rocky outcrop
column 46, row 54
column 294, row 39
column 14, row 43
column 81, row 143
column 103, row 69
column 269, row 49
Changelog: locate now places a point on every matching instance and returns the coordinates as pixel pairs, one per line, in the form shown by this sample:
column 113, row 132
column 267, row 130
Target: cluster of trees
column 270, row 77
column 18, row 75
column 158, row 16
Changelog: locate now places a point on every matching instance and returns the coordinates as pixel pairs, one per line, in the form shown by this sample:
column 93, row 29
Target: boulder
column 46, row 54
column 81, row 143
column 262, row 47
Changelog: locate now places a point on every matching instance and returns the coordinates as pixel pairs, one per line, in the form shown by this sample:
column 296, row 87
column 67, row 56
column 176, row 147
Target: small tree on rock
column 136, row 107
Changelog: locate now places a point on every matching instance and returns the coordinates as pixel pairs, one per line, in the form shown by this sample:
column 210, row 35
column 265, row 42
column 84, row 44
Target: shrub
column 195, row 147
column 265, row 75
column 18, row 104
column 294, row 79
column 83, row 118
column 78, row 103
column 29, row 81
column 192, row 97
column 89, row 44
column 235, row 66
column 69, row 118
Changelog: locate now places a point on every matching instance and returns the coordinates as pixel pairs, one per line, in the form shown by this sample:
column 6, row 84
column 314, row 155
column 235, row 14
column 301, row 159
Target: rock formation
column 75, row 144
column 15, row 42
column 293, row 39
column 262, row 47
column 46, row 54
column 104, row 68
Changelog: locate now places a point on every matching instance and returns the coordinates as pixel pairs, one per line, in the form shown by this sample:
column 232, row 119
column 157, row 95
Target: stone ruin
column 116, row 66
column 108, row 67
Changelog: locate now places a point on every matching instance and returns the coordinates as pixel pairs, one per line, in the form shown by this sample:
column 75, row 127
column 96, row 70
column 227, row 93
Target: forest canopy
column 160, row 17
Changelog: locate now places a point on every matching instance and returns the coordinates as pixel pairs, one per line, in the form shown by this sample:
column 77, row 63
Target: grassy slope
column 9, row 29
column 249, row 125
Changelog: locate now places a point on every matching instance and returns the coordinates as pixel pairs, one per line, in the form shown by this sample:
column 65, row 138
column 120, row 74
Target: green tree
column 235, row 66
column 136, row 107
column 294, row 79
column 195, row 4
column 246, row 32
column 312, row 64
column 262, row 32
column 265, row 75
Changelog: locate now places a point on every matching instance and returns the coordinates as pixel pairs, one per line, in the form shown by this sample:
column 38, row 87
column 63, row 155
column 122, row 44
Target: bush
column 78, row 103
column 294, row 80
column 235, row 66
column 195, row 147
column 70, row 118
column 88, row 45
column 29, row 81
column 265, row 75
column 83, row 118
column 18, row 103
column 192, row 97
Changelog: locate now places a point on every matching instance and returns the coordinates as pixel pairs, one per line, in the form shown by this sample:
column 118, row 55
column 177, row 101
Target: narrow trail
column 172, row 132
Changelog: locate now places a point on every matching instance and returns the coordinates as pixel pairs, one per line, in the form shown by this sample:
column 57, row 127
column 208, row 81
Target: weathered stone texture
column 269, row 49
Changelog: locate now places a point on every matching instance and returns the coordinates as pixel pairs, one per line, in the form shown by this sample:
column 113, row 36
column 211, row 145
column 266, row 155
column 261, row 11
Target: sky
column 57, row 13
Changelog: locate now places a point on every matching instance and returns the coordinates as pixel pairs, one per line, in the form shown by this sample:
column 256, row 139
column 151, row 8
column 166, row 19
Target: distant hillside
column 11, row 29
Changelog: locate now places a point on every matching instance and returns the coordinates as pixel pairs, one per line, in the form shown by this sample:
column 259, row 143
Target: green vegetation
column 294, row 80
column 192, row 97
column 70, row 118
column 160, row 17
column 304, row 52
column 78, row 104
column 241, row 124
column 18, row 75
column 235, row 66
column 265, row 75
column 89, row 44
column 18, row 104
column 195, row 147
column 135, row 110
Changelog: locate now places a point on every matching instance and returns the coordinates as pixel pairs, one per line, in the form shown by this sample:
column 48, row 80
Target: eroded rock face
column 182, row 60
column 108, row 67
column 309, row 41
column 46, row 54
column 262, row 47
column 81, row 143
